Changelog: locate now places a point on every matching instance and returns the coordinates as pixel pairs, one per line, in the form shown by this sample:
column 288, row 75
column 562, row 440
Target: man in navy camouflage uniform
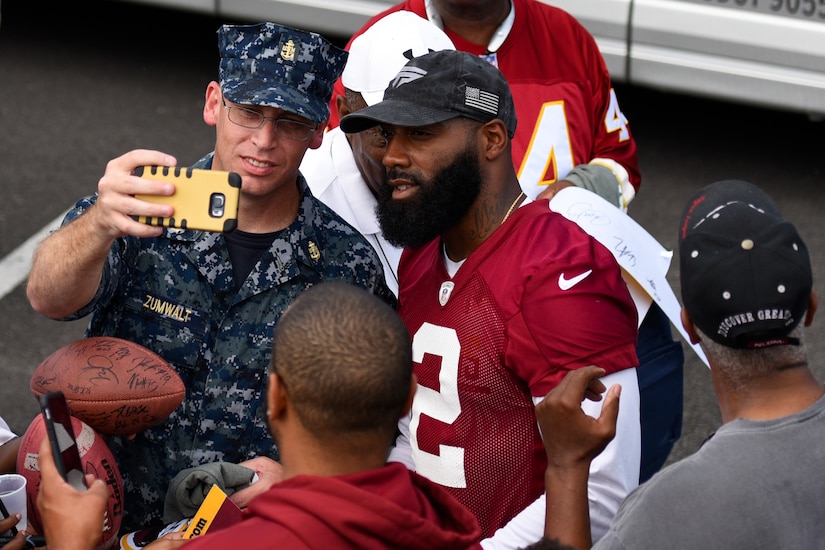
column 228, row 290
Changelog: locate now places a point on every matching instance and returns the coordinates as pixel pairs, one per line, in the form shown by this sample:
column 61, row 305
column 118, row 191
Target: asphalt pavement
column 84, row 82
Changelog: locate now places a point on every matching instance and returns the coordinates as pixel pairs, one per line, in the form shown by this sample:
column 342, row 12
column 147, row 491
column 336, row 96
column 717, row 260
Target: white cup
column 13, row 495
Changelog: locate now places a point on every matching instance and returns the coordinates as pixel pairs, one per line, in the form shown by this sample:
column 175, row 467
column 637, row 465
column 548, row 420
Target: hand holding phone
column 13, row 529
column 58, row 421
column 204, row 199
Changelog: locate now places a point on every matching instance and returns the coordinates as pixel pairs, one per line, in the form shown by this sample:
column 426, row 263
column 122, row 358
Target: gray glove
column 188, row 489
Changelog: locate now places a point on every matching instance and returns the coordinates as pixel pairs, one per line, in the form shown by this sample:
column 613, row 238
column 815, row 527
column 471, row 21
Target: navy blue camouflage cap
column 277, row 66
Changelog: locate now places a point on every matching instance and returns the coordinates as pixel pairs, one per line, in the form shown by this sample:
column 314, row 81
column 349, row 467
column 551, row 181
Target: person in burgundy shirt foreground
column 340, row 378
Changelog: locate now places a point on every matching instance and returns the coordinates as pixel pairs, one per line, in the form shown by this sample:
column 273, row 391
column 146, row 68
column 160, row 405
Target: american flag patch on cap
column 481, row 100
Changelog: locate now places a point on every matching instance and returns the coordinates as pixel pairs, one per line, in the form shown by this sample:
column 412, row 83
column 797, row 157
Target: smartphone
column 206, row 200
column 13, row 530
column 61, row 435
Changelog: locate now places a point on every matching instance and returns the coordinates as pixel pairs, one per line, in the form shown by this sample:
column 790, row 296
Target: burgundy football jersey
column 540, row 297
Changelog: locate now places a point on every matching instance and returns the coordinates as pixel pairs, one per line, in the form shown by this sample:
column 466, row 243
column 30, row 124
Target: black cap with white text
column 745, row 272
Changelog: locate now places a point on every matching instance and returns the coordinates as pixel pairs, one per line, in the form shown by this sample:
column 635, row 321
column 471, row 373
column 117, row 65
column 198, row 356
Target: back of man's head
column 746, row 276
column 345, row 359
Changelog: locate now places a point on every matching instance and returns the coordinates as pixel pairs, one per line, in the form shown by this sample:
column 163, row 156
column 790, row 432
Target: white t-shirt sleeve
column 402, row 451
column 6, row 434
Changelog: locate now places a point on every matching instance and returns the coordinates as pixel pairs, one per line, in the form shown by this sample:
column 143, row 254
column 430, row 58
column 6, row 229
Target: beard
column 437, row 205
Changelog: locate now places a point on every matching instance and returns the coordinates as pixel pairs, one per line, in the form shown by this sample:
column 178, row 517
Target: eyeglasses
column 284, row 127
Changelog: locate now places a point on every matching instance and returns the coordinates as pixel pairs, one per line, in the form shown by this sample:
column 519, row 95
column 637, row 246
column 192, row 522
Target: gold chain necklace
column 512, row 207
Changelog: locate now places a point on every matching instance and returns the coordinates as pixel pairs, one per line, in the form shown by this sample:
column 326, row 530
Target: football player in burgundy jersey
column 571, row 131
column 501, row 295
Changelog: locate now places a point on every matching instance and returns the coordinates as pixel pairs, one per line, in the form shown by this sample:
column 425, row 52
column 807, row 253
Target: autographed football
column 96, row 458
column 115, row 386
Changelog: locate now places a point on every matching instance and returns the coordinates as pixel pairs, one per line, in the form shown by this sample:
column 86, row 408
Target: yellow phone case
column 204, row 199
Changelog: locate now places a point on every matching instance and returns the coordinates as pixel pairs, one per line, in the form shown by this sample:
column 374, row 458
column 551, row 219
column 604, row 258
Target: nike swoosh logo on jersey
column 567, row 284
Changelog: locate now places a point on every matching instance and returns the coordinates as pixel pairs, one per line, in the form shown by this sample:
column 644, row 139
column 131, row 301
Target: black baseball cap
column 436, row 87
column 745, row 272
